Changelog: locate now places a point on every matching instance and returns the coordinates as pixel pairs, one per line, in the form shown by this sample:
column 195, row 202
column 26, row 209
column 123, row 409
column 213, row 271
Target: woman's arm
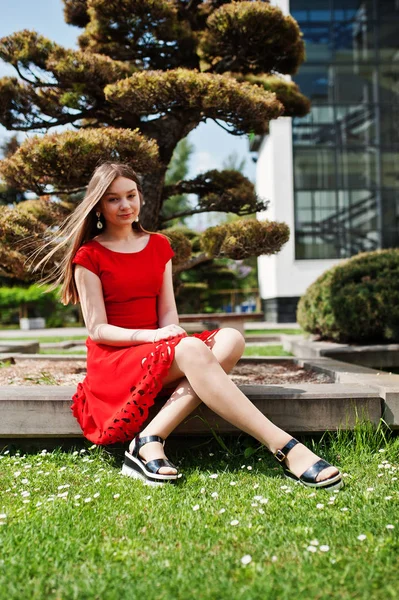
column 95, row 317
column 166, row 304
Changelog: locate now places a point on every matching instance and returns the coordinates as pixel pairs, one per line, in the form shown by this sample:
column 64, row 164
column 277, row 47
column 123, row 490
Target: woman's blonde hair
column 81, row 226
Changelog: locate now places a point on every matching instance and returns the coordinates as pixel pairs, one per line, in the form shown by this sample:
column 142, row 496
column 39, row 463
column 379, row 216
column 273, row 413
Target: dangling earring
column 99, row 223
column 136, row 220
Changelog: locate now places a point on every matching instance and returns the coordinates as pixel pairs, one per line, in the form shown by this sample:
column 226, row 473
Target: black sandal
column 308, row 478
column 134, row 466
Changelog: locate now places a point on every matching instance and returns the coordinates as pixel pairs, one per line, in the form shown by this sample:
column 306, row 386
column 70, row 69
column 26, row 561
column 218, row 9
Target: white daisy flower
column 214, row 476
column 234, row 522
column 246, row 559
column 361, row 537
column 319, row 506
column 324, row 548
column 222, row 510
column 116, row 496
column 274, row 558
column 215, row 495
column 311, row 549
column 390, row 526
column 196, row 507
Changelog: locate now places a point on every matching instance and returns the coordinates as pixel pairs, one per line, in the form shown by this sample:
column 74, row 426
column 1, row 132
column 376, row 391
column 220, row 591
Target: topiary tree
column 355, row 301
column 146, row 74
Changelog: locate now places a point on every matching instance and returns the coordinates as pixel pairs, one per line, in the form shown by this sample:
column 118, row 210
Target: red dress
column 122, row 382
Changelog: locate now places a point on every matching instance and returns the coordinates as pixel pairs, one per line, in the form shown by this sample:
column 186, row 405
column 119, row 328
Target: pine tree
column 147, row 73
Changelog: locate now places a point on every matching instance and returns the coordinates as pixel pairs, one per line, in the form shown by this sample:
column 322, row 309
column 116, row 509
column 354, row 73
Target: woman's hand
column 164, row 333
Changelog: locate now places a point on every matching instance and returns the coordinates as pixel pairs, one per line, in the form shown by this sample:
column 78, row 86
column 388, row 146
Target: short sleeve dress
column 111, row 404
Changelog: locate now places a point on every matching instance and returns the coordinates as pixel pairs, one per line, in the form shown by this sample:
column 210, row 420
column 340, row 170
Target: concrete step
column 28, row 347
column 44, row 411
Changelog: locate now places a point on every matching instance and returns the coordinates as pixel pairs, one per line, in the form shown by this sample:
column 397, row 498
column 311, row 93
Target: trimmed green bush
column 34, row 301
column 356, row 301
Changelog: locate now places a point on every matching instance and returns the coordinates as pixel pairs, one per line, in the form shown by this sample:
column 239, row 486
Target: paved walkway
column 72, row 331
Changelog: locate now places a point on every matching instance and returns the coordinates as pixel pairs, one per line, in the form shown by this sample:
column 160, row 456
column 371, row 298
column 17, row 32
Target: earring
column 99, row 223
column 136, row 220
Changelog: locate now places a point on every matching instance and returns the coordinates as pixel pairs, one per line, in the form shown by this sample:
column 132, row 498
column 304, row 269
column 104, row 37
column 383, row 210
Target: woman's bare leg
column 227, row 345
column 193, row 359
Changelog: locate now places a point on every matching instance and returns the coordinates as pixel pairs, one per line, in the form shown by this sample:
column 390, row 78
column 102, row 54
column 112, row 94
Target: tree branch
column 192, row 262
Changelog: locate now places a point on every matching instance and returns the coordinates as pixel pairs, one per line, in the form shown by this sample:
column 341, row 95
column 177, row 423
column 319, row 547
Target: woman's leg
column 193, row 359
column 227, row 345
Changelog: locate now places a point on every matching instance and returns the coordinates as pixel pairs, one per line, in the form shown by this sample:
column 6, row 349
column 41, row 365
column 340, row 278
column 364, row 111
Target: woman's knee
column 191, row 349
column 234, row 339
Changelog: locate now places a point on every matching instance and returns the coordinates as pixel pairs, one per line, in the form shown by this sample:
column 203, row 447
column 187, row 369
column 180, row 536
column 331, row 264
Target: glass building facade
column 346, row 151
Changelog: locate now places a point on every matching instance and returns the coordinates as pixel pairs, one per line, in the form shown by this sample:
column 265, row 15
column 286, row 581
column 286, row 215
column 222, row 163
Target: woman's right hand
column 165, row 333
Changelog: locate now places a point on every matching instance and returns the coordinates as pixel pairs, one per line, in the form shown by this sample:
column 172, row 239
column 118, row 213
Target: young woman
column 122, row 276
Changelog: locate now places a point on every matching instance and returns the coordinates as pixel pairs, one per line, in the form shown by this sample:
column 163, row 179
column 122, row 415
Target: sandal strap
column 140, row 442
column 281, row 454
column 154, row 465
column 310, row 474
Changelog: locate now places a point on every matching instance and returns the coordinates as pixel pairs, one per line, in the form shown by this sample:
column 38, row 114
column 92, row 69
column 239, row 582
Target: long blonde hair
column 81, row 226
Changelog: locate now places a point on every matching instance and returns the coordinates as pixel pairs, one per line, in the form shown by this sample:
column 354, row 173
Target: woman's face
column 120, row 204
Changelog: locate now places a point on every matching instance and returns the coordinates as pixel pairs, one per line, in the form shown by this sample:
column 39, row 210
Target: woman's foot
column 153, row 451
column 299, row 459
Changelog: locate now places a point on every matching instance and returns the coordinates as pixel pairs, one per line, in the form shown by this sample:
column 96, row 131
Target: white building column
column 282, row 278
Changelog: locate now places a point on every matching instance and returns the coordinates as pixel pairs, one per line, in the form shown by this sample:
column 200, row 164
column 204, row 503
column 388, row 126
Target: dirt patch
column 275, row 373
column 47, row 372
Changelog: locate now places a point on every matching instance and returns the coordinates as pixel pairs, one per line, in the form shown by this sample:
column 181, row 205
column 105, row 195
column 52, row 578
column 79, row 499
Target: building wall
column 333, row 176
column 282, row 279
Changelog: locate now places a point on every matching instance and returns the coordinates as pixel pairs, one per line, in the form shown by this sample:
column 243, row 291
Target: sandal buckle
column 280, row 456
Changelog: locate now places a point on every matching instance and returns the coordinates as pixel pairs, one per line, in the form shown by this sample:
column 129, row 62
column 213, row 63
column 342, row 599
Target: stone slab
column 377, row 356
column 28, row 347
column 40, row 411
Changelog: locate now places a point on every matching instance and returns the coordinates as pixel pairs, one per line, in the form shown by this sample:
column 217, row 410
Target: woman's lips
column 126, row 216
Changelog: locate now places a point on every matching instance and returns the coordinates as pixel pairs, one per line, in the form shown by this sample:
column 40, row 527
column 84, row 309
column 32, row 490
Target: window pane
column 314, row 168
column 390, row 169
column 356, row 125
column 388, row 40
column 313, row 81
column 357, row 169
column 354, row 84
column 389, row 118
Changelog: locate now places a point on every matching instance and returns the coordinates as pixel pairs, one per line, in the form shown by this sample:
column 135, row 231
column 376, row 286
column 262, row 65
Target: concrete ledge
column 377, row 356
column 28, row 347
column 30, row 411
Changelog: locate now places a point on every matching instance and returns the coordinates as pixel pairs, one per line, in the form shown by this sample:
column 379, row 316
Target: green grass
column 266, row 351
column 273, row 331
column 76, row 529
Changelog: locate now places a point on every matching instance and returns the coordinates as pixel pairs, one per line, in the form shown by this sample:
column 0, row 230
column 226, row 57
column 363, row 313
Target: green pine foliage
column 146, row 74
